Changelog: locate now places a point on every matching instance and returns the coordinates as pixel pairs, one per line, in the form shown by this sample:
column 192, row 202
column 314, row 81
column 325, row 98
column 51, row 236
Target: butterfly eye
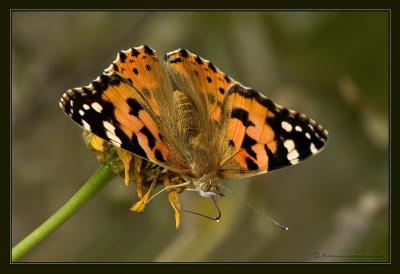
column 208, row 189
column 215, row 188
column 205, row 186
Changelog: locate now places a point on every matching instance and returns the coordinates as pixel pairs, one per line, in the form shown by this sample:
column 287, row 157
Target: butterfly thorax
column 194, row 137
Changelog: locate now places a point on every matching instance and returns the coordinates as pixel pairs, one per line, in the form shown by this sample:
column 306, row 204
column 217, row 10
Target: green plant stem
column 98, row 180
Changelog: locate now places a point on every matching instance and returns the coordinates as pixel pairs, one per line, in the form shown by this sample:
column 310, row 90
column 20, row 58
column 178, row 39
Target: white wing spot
column 71, row 102
column 97, row 107
column 313, row 148
column 86, row 125
column 308, row 135
column 292, row 155
column 85, row 106
column 289, row 144
column 298, row 128
column 81, row 112
column 110, row 68
column 294, row 161
column 286, row 126
column 311, row 127
column 111, row 133
column 109, row 126
column 114, row 138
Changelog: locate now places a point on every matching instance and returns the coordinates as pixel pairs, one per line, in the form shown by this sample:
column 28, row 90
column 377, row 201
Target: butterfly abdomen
column 188, row 124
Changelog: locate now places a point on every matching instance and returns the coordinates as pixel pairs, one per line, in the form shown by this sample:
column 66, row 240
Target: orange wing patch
column 247, row 131
column 208, row 80
column 140, row 66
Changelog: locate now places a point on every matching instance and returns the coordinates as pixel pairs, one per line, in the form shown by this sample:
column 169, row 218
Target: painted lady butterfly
column 191, row 120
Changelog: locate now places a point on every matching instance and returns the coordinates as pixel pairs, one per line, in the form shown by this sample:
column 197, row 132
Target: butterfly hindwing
column 207, row 82
column 263, row 136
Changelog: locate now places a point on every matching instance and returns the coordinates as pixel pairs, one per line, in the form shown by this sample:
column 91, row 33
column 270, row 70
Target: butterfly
column 189, row 118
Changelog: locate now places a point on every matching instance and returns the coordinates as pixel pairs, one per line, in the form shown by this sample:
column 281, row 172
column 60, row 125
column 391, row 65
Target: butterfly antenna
column 283, row 227
column 219, row 215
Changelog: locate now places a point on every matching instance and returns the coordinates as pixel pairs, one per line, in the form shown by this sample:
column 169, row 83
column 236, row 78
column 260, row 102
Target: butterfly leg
column 138, row 176
column 173, row 198
column 141, row 204
column 126, row 159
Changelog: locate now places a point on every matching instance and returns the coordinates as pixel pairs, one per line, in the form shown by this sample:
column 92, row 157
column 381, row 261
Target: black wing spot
column 279, row 159
column 243, row 116
column 221, row 90
column 102, row 84
column 135, row 52
column 135, row 71
column 148, row 50
column 159, row 156
column 227, row 79
column 148, row 67
column 122, row 56
column 250, row 164
column 209, row 79
column 198, row 60
column 262, row 100
column 132, row 144
column 247, row 143
column 86, row 91
column 108, row 112
column 135, row 106
column 212, row 67
column 115, row 67
column 183, row 53
column 150, row 138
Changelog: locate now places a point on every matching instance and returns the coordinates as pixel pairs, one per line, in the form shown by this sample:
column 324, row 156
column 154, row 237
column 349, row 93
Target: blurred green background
column 333, row 66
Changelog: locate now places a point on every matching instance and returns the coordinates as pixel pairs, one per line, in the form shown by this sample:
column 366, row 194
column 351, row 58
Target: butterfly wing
column 140, row 66
column 206, row 86
column 123, row 107
column 247, row 132
column 262, row 136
